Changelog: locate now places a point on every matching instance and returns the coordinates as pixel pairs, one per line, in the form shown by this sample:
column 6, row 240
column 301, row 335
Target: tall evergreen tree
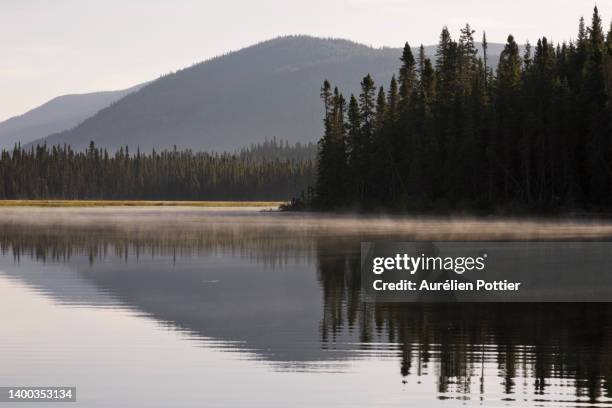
column 537, row 134
column 407, row 75
column 332, row 164
column 597, row 117
column 367, row 112
column 355, row 148
column 485, row 56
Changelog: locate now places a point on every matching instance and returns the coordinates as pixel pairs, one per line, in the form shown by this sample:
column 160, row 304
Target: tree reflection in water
column 537, row 342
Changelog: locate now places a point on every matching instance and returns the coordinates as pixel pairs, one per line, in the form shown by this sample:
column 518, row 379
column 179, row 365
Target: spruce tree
column 407, row 76
column 379, row 168
column 445, row 136
column 485, row 55
column 367, row 112
column 332, row 164
column 355, row 149
column 597, row 117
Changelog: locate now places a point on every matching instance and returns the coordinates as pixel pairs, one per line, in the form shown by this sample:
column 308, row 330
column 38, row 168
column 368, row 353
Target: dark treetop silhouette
column 452, row 135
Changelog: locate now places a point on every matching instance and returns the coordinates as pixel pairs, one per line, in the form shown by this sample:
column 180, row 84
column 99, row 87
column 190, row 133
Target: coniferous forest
column 452, row 134
column 447, row 134
column 273, row 170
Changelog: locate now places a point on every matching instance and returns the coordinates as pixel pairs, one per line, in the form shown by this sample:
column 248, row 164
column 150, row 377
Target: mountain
column 60, row 113
column 267, row 90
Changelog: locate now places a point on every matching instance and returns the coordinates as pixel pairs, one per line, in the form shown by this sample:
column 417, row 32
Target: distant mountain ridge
column 58, row 114
column 268, row 90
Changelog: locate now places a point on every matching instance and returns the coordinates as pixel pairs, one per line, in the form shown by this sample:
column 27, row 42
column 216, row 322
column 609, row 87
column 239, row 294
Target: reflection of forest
column 536, row 341
column 539, row 341
column 60, row 243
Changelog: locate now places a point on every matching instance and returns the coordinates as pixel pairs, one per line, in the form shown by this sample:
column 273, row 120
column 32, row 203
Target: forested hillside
column 278, row 149
column 450, row 133
column 235, row 100
column 59, row 114
column 62, row 173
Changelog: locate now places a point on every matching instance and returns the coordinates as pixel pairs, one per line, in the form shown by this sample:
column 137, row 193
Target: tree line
column 59, row 172
column 452, row 134
column 280, row 149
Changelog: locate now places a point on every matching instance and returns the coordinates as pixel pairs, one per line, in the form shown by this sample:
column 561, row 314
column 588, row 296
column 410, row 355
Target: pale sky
column 55, row 47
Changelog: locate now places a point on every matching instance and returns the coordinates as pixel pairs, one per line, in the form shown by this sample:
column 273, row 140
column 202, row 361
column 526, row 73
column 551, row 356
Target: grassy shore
column 135, row 203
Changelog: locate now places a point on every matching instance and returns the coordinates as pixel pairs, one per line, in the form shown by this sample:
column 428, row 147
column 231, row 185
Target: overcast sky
column 55, row 47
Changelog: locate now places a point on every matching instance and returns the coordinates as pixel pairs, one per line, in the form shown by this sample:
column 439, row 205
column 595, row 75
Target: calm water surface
column 200, row 307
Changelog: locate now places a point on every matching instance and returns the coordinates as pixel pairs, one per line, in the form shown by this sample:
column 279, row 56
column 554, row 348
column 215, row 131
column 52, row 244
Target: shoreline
column 339, row 214
column 504, row 214
column 136, row 203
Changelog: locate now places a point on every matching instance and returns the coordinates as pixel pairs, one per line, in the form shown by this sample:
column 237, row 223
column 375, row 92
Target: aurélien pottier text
column 427, row 264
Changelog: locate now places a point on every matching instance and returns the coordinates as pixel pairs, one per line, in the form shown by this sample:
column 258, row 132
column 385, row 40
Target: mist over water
column 211, row 307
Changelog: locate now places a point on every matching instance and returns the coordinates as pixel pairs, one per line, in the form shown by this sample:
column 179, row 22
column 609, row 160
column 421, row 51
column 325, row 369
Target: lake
column 186, row 307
